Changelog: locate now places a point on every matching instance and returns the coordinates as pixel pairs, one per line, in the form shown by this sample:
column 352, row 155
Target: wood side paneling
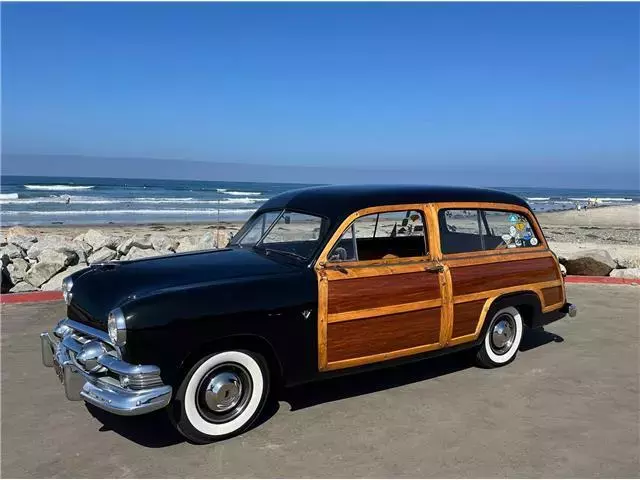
column 552, row 295
column 465, row 317
column 373, row 292
column 370, row 336
column 478, row 278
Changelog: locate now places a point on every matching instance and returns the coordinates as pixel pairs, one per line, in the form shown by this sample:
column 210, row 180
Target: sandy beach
column 615, row 229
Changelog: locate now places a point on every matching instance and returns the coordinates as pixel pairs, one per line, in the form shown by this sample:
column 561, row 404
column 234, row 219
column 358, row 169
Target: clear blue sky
column 479, row 86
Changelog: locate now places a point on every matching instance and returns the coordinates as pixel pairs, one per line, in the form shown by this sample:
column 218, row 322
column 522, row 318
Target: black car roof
column 338, row 201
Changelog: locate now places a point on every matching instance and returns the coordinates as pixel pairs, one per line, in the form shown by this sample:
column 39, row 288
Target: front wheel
column 221, row 396
column 502, row 339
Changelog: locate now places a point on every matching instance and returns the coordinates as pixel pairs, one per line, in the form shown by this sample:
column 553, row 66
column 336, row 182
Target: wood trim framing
column 337, row 271
column 446, row 313
column 323, row 298
column 379, row 357
column 380, row 311
column 531, row 287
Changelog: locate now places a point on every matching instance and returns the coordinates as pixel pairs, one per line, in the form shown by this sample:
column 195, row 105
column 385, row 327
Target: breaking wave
column 59, row 187
column 232, row 192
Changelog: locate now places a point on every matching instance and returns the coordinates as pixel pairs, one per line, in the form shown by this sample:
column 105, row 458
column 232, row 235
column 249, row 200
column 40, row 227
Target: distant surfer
column 67, row 199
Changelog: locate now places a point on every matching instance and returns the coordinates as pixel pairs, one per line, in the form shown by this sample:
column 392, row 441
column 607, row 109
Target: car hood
column 101, row 288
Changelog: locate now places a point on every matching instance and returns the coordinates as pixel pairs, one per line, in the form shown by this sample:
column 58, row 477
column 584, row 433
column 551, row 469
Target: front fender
column 165, row 327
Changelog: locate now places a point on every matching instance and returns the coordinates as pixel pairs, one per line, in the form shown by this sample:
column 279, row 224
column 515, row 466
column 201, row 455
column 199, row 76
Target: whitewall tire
column 502, row 338
column 221, row 396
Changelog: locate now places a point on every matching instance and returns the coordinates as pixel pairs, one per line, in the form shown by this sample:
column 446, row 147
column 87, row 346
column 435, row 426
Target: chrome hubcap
column 223, row 392
column 503, row 334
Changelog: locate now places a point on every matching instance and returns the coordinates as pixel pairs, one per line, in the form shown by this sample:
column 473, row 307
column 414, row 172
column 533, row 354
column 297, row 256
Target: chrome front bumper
column 102, row 386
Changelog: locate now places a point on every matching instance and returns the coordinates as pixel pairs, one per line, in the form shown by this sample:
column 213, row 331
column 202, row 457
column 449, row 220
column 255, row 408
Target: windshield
column 285, row 232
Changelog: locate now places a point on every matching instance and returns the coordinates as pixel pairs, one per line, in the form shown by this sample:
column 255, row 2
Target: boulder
column 162, row 243
column 99, row 240
column 633, row 273
column 17, row 270
column 43, row 271
column 22, row 241
column 139, row 241
column 103, row 255
column 12, row 251
column 207, row 241
column 65, row 257
column 22, row 287
column 59, row 243
column 79, row 238
column 136, row 253
column 55, row 282
column 3, row 240
column 589, row 262
column 188, row 244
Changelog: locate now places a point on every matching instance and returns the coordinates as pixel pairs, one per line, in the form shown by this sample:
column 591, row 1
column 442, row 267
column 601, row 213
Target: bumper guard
column 103, row 391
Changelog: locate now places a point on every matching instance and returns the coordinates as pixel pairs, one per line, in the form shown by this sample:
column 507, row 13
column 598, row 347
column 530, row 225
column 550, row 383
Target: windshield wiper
column 283, row 252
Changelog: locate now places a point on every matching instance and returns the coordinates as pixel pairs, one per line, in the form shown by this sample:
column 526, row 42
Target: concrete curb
column 38, row 297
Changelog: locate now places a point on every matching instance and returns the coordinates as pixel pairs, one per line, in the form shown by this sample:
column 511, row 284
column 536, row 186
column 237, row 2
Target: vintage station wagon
column 319, row 281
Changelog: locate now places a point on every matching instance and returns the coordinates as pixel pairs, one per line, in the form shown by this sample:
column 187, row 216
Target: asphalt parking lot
column 567, row 407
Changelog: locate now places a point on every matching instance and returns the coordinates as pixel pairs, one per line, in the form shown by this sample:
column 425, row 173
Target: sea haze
column 84, row 201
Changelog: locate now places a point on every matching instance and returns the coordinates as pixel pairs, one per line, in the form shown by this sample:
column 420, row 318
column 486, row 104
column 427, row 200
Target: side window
column 478, row 230
column 508, row 230
column 460, row 231
column 382, row 235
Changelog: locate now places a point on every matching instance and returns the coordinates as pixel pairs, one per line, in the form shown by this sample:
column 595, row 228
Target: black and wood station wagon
column 319, row 281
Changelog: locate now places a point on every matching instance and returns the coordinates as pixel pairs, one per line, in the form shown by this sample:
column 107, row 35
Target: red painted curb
column 601, row 280
column 30, row 297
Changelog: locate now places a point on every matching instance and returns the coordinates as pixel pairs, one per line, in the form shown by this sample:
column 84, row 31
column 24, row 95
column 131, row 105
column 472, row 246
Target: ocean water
column 86, row 201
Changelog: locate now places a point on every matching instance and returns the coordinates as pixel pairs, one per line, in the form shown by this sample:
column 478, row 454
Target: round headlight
column 117, row 327
column 67, row 285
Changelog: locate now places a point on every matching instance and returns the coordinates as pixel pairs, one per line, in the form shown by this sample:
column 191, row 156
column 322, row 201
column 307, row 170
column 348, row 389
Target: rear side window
column 477, row 230
column 508, row 230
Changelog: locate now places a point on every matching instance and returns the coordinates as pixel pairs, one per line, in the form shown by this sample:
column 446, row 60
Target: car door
column 492, row 250
column 380, row 291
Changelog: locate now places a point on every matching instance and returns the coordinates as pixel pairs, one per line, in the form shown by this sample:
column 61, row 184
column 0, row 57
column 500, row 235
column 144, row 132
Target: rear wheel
column 221, row 396
column 502, row 339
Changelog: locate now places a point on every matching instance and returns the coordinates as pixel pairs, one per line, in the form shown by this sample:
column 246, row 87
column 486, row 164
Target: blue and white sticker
column 533, row 241
column 513, row 218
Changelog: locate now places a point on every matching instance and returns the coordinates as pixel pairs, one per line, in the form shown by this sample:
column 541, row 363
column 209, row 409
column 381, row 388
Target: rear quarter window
column 463, row 230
